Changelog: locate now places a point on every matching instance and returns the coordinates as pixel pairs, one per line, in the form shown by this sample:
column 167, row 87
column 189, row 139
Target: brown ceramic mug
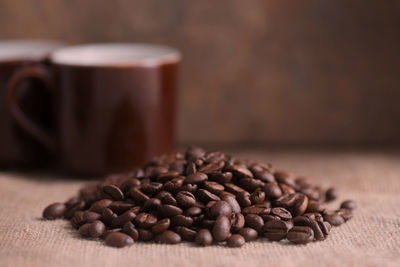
column 114, row 105
column 18, row 148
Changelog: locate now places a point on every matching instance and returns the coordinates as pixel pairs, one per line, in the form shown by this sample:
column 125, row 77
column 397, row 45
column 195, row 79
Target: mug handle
column 38, row 72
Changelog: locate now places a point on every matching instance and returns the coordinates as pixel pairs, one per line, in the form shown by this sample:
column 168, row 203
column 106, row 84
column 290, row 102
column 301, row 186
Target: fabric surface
column 371, row 238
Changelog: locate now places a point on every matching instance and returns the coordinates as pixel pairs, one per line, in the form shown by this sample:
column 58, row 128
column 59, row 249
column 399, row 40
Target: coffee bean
column 334, row 219
column 220, row 208
column 221, row 228
column 314, row 206
column 300, row 235
column 90, row 216
column 204, row 237
column 54, row 211
column 170, row 211
column 167, row 237
column 122, row 219
column 275, row 230
column 331, row 194
column 234, row 189
column 196, row 178
column 285, row 178
column 262, row 174
column 345, row 213
column 100, row 205
column 167, row 176
column 151, row 188
column 77, row 220
column 181, row 220
column 169, row 200
column 192, row 188
column 348, row 204
column 254, row 221
column 243, row 199
column 129, row 229
column 235, row 241
column 120, row 207
column 173, row 185
column 191, row 168
column 256, row 210
column 281, row 213
column 152, row 204
column 84, row 230
column 286, row 189
column 237, row 221
column 286, row 201
column 300, row 205
column 138, row 195
column 250, row 184
column 118, row 240
column 221, row 178
column 145, row 220
column 241, row 172
column 186, row 233
column 206, row 196
column 213, row 187
column 97, row 228
column 79, row 205
column 272, row 190
column 161, row 226
column 128, row 183
column 145, row 235
column 257, row 197
column 232, row 202
column 248, row 233
column 192, row 211
column 185, row 199
column 114, row 192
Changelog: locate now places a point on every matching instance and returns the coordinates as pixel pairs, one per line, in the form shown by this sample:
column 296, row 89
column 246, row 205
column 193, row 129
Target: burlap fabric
column 371, row 238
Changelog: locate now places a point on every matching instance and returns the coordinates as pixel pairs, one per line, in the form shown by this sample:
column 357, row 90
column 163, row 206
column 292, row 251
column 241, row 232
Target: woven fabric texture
column 371, row 238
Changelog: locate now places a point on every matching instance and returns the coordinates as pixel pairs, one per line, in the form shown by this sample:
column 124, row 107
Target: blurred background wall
column 254, row 72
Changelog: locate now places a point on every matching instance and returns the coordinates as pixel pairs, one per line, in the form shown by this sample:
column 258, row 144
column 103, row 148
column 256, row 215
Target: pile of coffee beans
column 202, row 197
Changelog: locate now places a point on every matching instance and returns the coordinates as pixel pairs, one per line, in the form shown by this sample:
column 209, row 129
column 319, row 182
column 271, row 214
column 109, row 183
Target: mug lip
column 171, row 56
column 29, row 54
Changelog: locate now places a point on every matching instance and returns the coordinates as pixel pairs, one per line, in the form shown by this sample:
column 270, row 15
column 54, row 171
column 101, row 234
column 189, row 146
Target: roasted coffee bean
column 334, row 219
column 185, row 199
column 174, row 185
column 232, row 201
column 262, row 174
column 285, row 178
column 160, row 195
column 108, row 215
column 97, row 228
column 145, row 235
column 257, row 197
column 241, row 172
column 234, row 189
column 237, row 221
column 170, row 211
column 169, row 200
column 192, row 188
column 138, row 195
column 152, row 204
column 204, row 238
column 268, row 217
column 221, row 228
column 313, row 224
column 54, row 211
column 220, row 208
column 286, row 189
column 151, row 188
column 118, row 240
column 114, row 192
column 248, row 233
column 331, row 194
column 281, row 213
column 314, row 206
column 311, row 193
column 272, row 190
column 221, row 178
column 211, row 167
column 250, row 184
column 206, row 196
column 348, row 204
column 167, row 176
column 145, row 220
column 181, row 220
column 191, row 168
column 123, row 218
column 286, row 201
column 120, row 206
column 84, row 230
column 256, row 210
column 161, row 226
column 178, row 165
column 254, row 221
column 186, row 233
column 345, row 213
column 167, row 237
column 90, row 216
column 213, row 187
column 196, row 178
column 77, row 220
column 192, row 211
column 206, row 223
column 235, row 241
column 128, row 183
column 243, row 199
column 129, row 229
column 300, row 205
column 80, row 205
column 275, row 230
column 155, row 171
column 100, row 205
column 300, row 235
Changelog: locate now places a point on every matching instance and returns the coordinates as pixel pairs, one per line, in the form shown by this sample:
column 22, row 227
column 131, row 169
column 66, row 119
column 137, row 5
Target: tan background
column 282, row 72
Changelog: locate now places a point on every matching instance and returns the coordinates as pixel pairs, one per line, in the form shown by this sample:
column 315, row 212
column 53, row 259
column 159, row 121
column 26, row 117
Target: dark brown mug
column 18, row 148
column 114, row 105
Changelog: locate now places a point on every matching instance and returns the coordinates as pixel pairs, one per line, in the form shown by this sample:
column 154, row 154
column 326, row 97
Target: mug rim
column 27, row 50
column 85, row 55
